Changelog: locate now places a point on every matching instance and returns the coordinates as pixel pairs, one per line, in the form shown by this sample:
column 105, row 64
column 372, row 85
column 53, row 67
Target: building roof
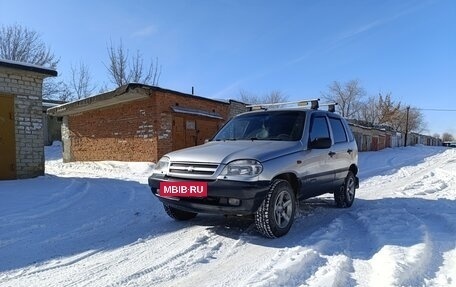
column 197, row 112
column 125, row 93
column 47, row 103
column 27, row 67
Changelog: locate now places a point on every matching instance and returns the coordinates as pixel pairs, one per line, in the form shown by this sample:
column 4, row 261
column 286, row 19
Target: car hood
column 227, row 151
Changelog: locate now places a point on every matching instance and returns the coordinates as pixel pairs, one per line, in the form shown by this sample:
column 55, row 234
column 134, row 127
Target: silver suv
column 261, row 163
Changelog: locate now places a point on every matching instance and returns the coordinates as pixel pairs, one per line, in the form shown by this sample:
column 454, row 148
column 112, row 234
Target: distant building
column 377, row 138
column 138, row 122
column 21, row 119
column 52, row 126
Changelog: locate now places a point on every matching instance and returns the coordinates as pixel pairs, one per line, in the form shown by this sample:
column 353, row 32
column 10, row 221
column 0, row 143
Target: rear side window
column 338, row 130
column 319, row 128
column 351, row 137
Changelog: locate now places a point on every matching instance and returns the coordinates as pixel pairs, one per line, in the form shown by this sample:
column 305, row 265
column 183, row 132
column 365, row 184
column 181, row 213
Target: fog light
column 234, row 201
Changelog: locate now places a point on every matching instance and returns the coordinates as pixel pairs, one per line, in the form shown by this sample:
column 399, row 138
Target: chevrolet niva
column 261, row 163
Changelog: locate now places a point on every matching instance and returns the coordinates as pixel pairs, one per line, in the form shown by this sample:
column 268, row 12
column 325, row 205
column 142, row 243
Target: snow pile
column 137, row 171
column 97, row 224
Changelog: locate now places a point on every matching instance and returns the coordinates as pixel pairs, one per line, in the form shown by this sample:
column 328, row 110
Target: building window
column 190, row 125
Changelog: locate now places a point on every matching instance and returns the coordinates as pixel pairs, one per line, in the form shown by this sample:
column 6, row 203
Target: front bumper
column 250, row 195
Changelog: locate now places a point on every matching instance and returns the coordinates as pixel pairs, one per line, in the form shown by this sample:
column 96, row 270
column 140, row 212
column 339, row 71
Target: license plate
column 183, row 189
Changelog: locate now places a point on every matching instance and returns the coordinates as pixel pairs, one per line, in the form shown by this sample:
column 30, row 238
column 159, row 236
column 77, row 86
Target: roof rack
column 302, row 103
column 331, row 106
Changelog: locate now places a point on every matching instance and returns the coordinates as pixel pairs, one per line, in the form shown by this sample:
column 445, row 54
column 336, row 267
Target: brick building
column 21, row 119
column 137, row 122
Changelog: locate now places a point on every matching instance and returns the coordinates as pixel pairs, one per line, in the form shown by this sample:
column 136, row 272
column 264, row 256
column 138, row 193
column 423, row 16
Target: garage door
column 7, row 138
column 192, row 130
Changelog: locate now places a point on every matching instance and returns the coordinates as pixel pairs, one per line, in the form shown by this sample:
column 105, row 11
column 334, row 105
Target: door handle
column 331, row 153
column 349, row 151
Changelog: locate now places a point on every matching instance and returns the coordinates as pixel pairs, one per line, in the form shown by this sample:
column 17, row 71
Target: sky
column 222, row 47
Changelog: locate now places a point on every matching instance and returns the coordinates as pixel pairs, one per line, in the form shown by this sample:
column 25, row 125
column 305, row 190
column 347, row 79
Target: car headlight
column 162, row 165
column 243, row 167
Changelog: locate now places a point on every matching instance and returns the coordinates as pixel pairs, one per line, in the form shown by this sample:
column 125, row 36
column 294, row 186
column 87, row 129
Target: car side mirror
column 320, row 143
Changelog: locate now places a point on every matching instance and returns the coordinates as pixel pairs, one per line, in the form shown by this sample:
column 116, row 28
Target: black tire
column 345, row 196
column 276, row 214
column 178, row 214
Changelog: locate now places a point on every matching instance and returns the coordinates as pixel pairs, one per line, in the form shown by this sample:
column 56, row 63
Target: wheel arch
column 292, row 180
column 353, row 168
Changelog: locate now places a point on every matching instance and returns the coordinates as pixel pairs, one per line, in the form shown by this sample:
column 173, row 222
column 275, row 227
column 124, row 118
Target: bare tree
column 249, row 98
column 122, row 69
column 57, row 90
column 21, row 44
column 447, row 137
column 348, row 96
column 103, row 88
column 270, row 98
column 81, row 81
column 369, row 112
column 275, row 97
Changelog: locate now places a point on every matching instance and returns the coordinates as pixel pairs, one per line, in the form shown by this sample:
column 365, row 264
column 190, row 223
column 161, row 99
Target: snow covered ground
column 97, row 224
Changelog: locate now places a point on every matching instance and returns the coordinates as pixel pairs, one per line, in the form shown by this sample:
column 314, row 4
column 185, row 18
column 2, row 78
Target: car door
column 318, row 175
column 341, row 152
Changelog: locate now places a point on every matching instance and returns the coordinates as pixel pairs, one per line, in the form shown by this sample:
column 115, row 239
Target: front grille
column 192, row 168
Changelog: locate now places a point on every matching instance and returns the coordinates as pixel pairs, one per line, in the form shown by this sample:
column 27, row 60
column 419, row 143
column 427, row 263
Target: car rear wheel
column 345, row 196
column 276, row 214
column 178, row 214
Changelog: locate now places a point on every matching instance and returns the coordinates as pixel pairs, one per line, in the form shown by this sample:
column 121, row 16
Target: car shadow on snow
column 53, row 219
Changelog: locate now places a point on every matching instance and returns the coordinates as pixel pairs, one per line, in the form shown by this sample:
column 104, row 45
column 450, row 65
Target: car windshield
column 273, row 125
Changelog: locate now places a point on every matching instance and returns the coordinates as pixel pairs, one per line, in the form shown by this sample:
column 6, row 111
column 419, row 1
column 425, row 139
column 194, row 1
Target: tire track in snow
column 235, row 251
column 37, row 269
column 288, row 267
column 228, row 247
column 413, row 247
column 345, row 238
column 99, row 265
column 326, row 250
column 425, row 264
column 203, row 249
column 399, row 245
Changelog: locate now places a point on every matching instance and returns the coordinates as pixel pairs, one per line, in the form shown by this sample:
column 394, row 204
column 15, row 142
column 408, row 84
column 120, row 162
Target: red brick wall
column 139, row 130
column 124, row 132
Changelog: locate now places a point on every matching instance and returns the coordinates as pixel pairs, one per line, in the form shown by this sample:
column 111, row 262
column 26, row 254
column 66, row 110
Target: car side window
column 351, row 137
column 338, row 130
column 318, row 128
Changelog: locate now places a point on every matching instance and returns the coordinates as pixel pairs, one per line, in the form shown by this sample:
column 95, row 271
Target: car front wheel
column 276, row 214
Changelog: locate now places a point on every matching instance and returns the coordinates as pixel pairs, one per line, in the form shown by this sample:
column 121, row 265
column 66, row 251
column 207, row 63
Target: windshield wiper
column 227, row 139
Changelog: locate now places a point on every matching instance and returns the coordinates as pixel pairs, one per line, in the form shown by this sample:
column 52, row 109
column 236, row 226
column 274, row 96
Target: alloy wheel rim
column 351, row 188
column 283, row 209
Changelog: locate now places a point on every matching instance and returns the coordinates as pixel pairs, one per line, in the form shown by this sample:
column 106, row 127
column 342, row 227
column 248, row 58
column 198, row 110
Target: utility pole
column 406, row 126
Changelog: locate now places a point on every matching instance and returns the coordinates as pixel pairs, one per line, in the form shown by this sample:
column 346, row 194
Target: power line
column 436, row 110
